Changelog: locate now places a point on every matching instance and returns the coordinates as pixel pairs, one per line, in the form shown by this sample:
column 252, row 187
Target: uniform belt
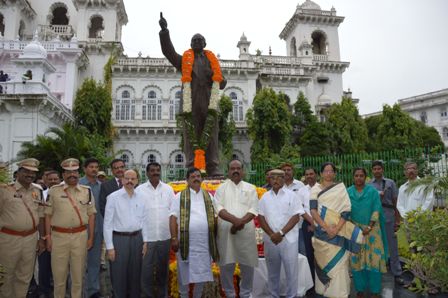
column 19, row 233
column 69, row 230
column 135, row 233
column 388, row 206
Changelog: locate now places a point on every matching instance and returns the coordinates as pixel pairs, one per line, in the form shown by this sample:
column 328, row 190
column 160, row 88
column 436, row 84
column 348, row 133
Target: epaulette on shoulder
column 57, row 186
column 84, row 186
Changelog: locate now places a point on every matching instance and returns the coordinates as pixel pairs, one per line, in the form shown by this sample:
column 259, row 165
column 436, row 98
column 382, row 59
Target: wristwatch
column 281, row 233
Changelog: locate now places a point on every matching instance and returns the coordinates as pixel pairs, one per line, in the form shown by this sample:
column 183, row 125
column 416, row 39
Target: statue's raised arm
column 167, row 46
column 162, row 22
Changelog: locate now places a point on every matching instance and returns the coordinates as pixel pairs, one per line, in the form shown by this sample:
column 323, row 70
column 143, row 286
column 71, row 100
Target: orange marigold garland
column 199, row 142
column 199, row 159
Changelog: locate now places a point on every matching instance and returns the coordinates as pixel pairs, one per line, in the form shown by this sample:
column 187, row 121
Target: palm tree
column 61, row 143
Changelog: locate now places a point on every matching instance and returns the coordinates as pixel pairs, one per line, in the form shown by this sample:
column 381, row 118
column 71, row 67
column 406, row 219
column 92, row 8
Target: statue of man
column 202, row 75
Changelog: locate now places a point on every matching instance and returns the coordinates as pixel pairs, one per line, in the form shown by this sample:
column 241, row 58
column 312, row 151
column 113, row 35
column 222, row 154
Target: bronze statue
column 201, row 77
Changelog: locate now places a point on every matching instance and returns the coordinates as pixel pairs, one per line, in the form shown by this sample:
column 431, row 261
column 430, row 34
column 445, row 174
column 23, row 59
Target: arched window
column 59, row 15
column 445, row 133
column 125, row 158
column 21, row 29
column 175, row 105
column 125, row 94
column 125, row 107
column 96, row 29
column 179, row 161
column 423, row 117
column 319, row 43
column 152, row 107
column 293, row 48
column 237, row 114
column 151, row 158
column 2, row 25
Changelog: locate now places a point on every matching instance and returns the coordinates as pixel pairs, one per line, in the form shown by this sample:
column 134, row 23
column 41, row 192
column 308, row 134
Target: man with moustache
column 388, row 194
column 126, row 236
column 51, row 178
column 160, row 197
column 236, row 203
column 280, row 211
column 70, row 210
column 91, row 167
column 118, row 167
column 193, row 236
column 21, row 216
column 407, row 202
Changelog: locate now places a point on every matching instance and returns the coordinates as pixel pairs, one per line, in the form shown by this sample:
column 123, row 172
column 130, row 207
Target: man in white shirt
column 126, row 236
column 279, row 213
column 307, row 230
column 160, row 197
column 193, row 236
column 409, row 201
column 236, row 203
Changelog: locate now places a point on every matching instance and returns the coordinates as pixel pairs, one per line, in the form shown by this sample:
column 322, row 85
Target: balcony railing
column 52, row 31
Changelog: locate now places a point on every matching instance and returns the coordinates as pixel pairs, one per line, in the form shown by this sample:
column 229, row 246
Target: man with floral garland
column 201, row 81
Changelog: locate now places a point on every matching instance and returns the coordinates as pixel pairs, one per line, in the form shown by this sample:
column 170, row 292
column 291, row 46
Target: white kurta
column 407, row 202
column 238, row 200
column 199, row 253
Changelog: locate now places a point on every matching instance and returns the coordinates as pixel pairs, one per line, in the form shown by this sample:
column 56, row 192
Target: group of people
column 339, row 229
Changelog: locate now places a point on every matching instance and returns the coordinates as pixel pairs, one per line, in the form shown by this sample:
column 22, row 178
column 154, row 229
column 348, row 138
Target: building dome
column 243, row 37
column 34, row 50
column 308, row 4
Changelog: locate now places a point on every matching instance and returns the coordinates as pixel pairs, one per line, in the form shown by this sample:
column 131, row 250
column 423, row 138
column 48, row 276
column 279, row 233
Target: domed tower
column 243, row 45
column 312, row 35
column 313, row 24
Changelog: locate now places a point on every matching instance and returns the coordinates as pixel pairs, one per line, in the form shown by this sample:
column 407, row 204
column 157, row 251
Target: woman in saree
column 369, row 264
column 334, row 237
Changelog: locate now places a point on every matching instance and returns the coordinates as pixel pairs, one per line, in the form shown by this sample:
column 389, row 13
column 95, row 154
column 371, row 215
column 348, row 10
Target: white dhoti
column 198, row 267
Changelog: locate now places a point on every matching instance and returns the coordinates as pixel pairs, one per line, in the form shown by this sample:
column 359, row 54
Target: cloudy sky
column 396, row 49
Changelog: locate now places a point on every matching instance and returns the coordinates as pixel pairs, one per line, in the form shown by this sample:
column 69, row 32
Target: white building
column 78, row 36
column 429, row 108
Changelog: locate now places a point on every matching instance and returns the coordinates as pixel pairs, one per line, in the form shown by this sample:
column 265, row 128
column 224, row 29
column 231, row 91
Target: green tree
column 429, row 135
column 397, row 130
column 372, row 123
column 93, row 107
column 226, row 127
column 315, row 140
column 348, row 131
column 61, row 143
column 302, row 115
column 269, row 125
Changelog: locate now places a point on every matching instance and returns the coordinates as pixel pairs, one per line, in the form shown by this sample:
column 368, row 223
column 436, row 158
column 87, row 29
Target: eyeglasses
column 118, row 167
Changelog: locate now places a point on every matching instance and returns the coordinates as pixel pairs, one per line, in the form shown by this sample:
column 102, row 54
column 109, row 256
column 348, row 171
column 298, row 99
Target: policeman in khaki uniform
column 21, row 216
column 69, row 212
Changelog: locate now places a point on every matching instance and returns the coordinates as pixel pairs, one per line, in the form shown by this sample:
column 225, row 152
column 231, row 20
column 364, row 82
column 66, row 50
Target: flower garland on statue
column 199, row 143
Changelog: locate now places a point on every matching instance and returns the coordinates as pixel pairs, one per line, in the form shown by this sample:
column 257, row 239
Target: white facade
column 79, row 35
column 59, row 43
column 431, row 109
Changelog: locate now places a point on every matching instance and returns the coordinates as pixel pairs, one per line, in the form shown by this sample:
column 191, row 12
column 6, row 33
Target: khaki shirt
column 14, row 214
column 61, row 210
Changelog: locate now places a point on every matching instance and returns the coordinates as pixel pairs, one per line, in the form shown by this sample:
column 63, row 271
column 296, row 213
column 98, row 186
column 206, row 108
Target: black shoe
column 399, row 281
column 96, row 295
column 103, row 267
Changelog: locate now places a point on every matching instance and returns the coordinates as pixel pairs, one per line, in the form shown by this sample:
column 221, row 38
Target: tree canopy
column 268, row 124
column 93, row 107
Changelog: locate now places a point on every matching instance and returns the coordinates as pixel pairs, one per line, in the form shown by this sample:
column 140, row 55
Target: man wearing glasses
column 126, row 236
column 118, row 167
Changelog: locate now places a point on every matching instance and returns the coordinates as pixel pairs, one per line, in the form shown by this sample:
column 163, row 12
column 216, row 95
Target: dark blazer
column 107, row 188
